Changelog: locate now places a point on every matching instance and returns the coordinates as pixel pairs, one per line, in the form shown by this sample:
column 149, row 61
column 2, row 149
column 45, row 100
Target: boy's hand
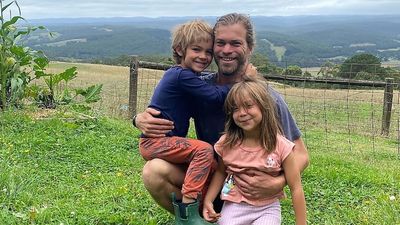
column 208, row 212
column 251, row 70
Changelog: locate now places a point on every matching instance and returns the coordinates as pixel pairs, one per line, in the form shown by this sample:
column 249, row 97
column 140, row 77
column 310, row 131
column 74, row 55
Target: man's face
column 231, row 51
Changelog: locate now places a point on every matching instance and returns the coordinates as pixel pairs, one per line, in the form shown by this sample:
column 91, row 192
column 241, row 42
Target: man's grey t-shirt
column 210, row 118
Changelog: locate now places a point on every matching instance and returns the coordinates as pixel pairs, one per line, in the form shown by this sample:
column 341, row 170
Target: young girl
column 252, row 140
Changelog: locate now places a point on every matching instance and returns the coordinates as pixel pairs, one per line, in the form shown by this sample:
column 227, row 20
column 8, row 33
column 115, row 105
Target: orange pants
column 197, row 155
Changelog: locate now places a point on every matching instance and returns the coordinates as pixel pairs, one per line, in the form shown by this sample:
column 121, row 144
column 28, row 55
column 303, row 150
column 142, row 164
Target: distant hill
column 302, row 40
column 84, row 41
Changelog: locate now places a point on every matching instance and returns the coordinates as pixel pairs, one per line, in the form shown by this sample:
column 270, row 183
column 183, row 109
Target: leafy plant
column 17, row 62
column 57, row 91
column 20, row 65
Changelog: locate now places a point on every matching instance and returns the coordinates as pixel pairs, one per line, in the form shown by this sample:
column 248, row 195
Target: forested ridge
column 300, row 40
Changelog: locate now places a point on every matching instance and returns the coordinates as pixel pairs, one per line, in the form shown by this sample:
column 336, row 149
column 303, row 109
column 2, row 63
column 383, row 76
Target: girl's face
column 247, row 114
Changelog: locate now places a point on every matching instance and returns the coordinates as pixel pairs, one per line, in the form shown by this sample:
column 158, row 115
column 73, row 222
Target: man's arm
column 152, row 126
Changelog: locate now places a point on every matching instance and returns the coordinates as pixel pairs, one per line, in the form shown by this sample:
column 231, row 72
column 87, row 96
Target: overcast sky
column 34, row 9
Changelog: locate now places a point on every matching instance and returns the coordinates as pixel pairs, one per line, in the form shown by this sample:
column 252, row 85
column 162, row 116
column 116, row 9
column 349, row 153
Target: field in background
column 339, row 111
column 115, row 80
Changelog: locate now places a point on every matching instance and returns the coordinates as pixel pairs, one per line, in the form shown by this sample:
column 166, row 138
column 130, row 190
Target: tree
column 329, row 70
column 264, row 65
column 362, row 66
column 293, row 70
column 307, row 74
column 259, row 60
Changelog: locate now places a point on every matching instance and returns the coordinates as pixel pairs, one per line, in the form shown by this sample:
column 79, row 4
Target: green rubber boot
column 190, row 216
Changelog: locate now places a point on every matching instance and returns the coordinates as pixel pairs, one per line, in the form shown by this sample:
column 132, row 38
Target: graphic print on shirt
column 271, row 163
column 229, row 185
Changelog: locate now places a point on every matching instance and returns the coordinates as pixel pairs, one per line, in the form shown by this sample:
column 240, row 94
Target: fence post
column 387, row 106
column 133, row 79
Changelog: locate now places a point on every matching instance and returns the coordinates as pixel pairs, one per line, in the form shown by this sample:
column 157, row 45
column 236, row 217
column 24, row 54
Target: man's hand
column 256, row 184
column 152, row 126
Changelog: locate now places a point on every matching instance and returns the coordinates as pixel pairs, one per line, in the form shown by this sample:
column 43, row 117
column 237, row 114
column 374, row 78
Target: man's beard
column 234, row 70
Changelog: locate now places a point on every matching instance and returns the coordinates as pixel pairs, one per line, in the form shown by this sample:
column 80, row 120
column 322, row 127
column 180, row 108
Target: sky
column 36, row 9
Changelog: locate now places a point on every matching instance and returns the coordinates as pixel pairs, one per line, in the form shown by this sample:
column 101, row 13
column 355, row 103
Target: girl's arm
column 214, row 189
column 293, row 178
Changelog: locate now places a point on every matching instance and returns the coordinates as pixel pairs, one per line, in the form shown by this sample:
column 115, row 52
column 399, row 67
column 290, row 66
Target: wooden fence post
column 133, row 79
column 387, row 106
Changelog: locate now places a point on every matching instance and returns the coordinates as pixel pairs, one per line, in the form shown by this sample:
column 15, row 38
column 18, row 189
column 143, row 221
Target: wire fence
column 340, row 114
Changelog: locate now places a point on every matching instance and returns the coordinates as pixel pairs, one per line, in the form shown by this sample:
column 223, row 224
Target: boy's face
column 198, row 56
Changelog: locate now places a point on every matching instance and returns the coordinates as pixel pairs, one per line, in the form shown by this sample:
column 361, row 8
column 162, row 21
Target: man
column 233, row 45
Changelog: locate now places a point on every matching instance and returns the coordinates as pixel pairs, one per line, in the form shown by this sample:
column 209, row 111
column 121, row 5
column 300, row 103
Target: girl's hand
column 251, row 70
column 208, row 212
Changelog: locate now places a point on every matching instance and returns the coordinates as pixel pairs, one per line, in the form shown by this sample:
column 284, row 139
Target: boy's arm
column 292, row 174
column 214, row 189
column 194, row 86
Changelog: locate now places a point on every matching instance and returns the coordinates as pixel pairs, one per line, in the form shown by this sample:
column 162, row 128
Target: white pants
column 245, row 214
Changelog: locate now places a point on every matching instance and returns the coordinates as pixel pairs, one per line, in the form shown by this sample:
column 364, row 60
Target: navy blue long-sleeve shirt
column 176, row 93
column 209, row 118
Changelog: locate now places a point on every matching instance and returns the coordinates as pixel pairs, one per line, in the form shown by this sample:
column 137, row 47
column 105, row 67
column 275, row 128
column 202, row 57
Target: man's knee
column 151, row 173
column 157, row 173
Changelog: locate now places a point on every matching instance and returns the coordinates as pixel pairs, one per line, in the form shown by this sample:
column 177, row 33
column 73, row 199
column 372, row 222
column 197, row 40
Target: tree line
column 363, row 66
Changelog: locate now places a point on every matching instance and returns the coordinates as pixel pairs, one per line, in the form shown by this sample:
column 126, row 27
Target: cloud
column 157, row 8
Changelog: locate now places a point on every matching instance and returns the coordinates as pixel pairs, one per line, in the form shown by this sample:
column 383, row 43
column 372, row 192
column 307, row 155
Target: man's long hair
column 237, row 18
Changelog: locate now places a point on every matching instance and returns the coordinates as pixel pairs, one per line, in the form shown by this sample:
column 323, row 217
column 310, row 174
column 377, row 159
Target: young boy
column 192, row 45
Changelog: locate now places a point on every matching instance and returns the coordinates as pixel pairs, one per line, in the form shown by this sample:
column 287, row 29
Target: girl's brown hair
column 257, row 90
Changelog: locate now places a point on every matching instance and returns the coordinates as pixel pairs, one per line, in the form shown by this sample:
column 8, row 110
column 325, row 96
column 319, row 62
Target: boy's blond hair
column 188, row 33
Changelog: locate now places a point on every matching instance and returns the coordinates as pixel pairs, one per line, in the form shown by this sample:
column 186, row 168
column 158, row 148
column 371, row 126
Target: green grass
column 71, row 171
column 58, row 167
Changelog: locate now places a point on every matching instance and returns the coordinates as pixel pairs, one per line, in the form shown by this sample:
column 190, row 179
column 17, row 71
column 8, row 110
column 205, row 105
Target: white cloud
column 156, row 8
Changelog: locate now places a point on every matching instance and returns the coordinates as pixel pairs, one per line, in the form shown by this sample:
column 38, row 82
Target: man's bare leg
column 161, row 178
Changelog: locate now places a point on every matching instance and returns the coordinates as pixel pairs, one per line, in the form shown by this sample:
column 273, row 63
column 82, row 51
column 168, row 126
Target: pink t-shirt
column 239, row 159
